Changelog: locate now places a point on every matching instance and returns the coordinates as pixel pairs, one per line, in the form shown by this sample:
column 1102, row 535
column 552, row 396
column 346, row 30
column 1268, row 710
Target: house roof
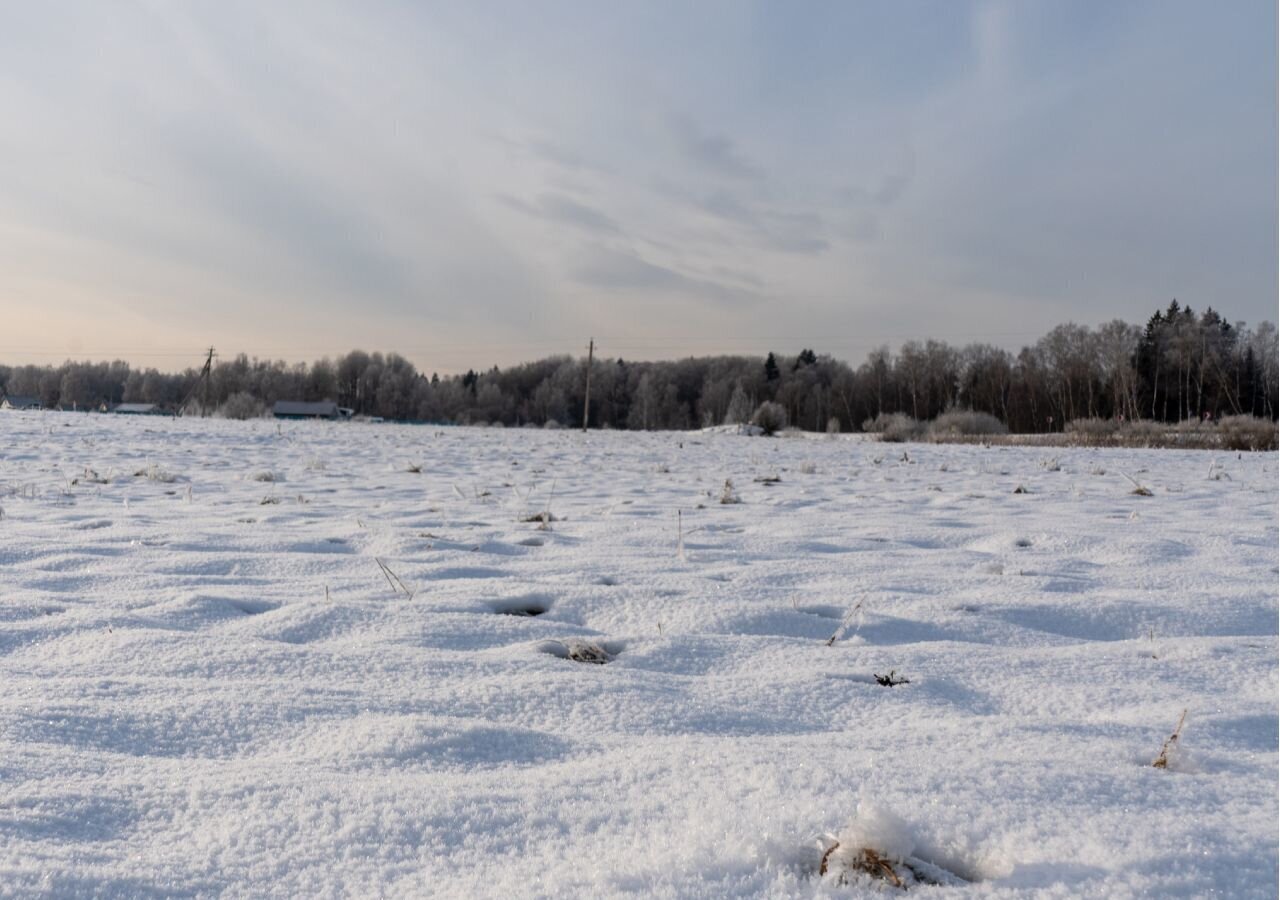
column 323, row 408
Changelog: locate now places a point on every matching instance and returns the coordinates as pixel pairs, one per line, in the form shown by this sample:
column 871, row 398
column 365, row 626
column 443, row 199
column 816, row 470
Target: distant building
column 297, row 409
column 20, row 403
column 136, row 409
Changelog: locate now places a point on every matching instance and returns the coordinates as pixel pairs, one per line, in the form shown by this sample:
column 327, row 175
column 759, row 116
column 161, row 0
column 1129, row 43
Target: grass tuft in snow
column 876, row 850
column 1139, row 489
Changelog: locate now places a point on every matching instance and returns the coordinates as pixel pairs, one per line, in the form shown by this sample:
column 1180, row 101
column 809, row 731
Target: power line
column 617, row 342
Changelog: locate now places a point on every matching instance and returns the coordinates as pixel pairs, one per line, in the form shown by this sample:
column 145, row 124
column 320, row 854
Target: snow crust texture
column 250, row 659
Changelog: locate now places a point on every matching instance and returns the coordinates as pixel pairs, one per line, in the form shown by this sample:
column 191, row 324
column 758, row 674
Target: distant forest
column 1181, row 365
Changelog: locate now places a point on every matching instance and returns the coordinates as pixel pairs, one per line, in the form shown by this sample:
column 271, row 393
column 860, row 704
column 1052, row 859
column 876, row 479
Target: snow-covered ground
column 209, row 685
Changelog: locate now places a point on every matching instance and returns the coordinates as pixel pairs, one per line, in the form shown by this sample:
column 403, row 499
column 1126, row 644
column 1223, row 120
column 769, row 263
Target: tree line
column 1180, row 365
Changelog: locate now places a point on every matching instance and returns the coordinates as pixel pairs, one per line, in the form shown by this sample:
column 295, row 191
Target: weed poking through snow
column 890, row 680
column 397, row 586
column 855, row 612
column 1167, row 752
column 728, row 494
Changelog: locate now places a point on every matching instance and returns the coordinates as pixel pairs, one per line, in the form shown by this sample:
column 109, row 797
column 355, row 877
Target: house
column 15, row 402
column 137, row 409
column 297, row 409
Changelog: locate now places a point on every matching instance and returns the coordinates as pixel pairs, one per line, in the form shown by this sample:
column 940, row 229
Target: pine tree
column 771, row 372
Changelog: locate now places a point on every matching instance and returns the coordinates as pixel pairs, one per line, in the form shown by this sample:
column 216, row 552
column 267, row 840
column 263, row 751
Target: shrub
column 1143, row 430
column 241, row 405
column 957, row 422
column 1093, row 428
column 770, row 417
column 1247, row 433
column 894, row 428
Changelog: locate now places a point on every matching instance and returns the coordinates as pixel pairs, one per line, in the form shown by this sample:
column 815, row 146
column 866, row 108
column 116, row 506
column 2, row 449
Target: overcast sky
column 482, row 183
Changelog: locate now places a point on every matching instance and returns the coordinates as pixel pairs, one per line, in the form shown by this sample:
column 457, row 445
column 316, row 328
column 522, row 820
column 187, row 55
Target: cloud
column 335, row 165
column 556, row 207
column 623, row 271
column 766, row 227
column 712, row 153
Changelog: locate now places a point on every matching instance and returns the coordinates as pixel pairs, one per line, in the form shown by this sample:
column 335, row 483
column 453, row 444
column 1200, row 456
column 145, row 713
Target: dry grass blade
column 822, row 866
column 397, row 585
column 1162, row 761
column 844, row 623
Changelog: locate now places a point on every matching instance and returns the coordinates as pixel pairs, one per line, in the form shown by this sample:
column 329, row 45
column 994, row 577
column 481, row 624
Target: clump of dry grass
column 1139, row 489
column 866, row 861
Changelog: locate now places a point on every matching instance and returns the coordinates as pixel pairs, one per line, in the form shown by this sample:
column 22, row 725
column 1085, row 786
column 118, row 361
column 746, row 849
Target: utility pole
column 206, row 374
column 204, row 379
column 586, row 400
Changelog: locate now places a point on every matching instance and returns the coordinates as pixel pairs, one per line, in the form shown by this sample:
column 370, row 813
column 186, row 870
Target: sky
column 476, row 184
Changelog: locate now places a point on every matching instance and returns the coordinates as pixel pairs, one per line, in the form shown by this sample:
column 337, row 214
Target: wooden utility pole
column 203, row 380
column 586, row 400
column 206, row 374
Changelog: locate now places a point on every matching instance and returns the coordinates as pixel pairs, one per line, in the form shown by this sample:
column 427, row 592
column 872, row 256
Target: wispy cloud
column 715, row 154
column 625, row 271
column 556, row 207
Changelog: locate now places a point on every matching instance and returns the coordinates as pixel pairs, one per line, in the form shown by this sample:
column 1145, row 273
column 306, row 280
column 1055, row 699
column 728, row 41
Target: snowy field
column 210, row 686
